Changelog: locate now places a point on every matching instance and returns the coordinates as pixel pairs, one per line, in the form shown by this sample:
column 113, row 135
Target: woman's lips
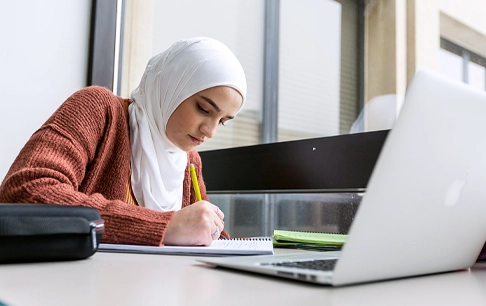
column 196, row 141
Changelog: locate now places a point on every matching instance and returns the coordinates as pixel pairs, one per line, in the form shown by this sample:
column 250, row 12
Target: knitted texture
column 81, row 156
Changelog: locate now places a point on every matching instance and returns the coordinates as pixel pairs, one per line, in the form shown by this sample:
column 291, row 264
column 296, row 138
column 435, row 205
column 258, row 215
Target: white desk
column 135, row 279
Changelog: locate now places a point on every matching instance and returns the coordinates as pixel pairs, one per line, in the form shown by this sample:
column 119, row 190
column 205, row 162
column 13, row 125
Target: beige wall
column 385, row 41
column 469, row 12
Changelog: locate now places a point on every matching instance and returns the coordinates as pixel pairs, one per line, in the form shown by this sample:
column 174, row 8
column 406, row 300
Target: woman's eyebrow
column 210, row 101
column 213, row 104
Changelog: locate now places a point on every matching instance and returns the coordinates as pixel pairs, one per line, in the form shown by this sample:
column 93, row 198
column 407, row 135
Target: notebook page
column 248, row 246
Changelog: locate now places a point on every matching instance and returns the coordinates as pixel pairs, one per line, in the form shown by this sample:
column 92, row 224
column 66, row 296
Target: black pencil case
column 48, row 232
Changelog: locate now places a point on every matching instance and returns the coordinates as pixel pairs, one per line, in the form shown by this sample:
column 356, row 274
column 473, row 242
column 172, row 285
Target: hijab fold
column 186, row 68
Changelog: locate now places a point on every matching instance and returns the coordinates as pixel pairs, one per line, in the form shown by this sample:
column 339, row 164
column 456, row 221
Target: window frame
column 106, row 39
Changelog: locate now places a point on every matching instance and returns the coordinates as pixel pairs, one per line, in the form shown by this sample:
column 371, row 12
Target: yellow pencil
column 195, row 184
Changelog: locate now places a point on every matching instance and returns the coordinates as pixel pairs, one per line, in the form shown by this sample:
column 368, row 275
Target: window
column 461, row 64
column 315, row 48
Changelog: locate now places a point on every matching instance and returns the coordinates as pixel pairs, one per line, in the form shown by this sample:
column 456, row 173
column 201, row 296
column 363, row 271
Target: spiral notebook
column 220, row 247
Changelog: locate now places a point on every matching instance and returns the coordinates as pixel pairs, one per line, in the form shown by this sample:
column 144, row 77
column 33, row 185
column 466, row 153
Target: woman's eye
column 202, row 109
column 221, row 122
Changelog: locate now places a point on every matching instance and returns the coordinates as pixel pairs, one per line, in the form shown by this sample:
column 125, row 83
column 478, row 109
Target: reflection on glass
column 259, row 214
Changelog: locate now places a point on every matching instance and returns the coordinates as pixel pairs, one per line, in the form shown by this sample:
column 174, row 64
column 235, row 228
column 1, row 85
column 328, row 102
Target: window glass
column 451, row 64
column 309, row 68
column 318, row 59
column 259, row 214
column 236, row 23
column 477, row 76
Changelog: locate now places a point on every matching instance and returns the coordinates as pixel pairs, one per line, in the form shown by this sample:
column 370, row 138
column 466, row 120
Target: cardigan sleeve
column 61, row 160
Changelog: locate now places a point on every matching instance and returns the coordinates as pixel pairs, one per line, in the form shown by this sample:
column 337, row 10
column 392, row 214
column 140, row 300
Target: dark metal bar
column 102, row 44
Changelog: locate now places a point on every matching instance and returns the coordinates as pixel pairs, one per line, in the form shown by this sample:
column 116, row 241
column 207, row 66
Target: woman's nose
column 209, row 128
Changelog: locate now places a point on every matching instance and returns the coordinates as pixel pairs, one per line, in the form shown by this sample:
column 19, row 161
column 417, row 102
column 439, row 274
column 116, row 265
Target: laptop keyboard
column 321, row 264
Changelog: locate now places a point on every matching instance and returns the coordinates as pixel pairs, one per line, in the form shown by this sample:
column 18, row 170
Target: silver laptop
column 424, row 209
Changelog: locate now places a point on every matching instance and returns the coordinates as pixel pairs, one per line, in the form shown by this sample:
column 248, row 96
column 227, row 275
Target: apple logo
column 454, row 192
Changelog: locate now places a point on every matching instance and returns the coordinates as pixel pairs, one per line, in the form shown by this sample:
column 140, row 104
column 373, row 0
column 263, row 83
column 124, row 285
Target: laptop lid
column 424, row 209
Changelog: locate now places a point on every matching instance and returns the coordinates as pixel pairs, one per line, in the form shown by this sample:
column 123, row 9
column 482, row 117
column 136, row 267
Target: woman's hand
column 196, row 224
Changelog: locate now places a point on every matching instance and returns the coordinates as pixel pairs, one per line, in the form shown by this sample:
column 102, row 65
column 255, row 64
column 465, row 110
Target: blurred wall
column 43, row 59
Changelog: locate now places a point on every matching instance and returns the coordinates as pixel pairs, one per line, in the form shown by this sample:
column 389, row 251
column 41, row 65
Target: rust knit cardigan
column 81, row 156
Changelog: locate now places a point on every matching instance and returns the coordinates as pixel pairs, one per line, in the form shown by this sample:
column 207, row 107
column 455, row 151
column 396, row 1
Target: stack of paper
column 308, row 240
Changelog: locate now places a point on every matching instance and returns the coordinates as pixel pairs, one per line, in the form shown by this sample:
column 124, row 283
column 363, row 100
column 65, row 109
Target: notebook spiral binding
column 249, row 238
column 310, row 232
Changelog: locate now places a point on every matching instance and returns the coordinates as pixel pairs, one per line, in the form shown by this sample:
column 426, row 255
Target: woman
column 129, row 158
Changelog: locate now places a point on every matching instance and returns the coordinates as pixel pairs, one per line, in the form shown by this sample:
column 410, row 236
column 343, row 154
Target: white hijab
column 186, row 68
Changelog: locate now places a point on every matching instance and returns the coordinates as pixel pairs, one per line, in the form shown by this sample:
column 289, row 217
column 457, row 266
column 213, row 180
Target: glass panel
column 238, row 24
column 477, row 76
column 259, row 214
column 309, row 68
column 451, row 64
column 318, row 91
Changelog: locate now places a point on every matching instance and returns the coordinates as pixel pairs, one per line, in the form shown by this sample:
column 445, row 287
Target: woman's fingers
column 219, row 226
column 215, row 234
column 219, row 212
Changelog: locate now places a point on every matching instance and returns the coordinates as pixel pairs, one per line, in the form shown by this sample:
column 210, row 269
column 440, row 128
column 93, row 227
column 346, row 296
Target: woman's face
column 199, row 116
